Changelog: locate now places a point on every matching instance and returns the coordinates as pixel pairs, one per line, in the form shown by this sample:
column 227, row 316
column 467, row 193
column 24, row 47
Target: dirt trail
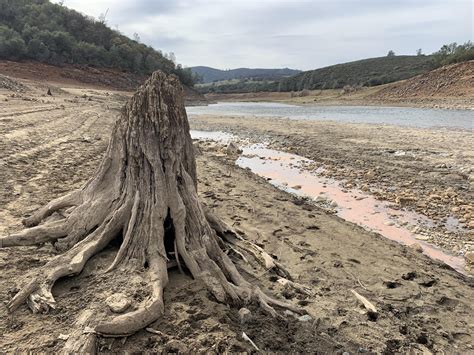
column 422, row 305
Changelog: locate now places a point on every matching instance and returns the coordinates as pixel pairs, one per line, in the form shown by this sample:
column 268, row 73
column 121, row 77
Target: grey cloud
column 302, row 34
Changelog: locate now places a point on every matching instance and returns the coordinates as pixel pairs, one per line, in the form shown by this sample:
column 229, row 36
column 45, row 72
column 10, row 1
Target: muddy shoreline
column 423, row 170
column 336, row 98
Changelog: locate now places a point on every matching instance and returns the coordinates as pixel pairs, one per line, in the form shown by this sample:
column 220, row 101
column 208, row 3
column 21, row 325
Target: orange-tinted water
column 285, row 171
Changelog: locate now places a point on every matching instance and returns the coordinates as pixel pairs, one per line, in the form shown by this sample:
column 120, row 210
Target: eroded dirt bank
column 50, row 145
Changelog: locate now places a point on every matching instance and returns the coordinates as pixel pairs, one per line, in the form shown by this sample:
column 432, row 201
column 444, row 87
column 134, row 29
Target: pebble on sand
column 118, row 302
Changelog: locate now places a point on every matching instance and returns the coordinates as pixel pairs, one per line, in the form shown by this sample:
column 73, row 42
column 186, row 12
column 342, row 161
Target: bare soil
column 424, row 170
column 451, row 85
column 80, row 76
column 52, row 144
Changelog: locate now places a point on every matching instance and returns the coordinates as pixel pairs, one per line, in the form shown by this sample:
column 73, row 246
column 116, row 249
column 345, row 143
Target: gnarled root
column 236, row 242
column 40, row 234
column 83, row 339
column 37, row 292
column 68, row 200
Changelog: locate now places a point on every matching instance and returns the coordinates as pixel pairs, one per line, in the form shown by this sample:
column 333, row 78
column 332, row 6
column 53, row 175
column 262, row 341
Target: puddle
column 217, row 136
column 286, row 171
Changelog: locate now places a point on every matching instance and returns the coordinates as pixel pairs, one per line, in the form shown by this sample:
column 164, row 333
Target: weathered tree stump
column 144, row 190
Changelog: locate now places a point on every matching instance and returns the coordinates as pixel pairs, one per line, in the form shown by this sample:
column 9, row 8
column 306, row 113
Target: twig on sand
column 246, row 337
column 369, row 306
column 357, row 280
column 154, row 331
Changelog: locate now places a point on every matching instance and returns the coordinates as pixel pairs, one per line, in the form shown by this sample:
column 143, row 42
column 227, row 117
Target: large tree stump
column 144, row 190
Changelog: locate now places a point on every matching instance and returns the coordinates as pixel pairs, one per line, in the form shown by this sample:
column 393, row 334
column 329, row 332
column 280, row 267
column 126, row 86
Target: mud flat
column 49, row 145
column 427, row 171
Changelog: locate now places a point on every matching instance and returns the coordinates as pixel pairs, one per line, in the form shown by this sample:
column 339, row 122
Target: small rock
column 244, row 315
column 296, row 187
column 176, row 346
column 321, row 199
column 63, row 336
column 422, row 237
column 469, row 256
column 118, row 303
column 290, row 313
column 233, row 149
column 305, row 318
column 417, row 247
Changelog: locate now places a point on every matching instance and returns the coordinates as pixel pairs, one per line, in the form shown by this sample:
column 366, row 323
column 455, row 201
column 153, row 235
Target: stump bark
column 145, row 190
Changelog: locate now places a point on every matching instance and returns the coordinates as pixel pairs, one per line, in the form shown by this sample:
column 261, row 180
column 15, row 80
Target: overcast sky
column 299, row 34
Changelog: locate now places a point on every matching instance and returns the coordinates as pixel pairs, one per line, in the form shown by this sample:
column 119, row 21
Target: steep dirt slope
column 81, row 76
column 449, row 83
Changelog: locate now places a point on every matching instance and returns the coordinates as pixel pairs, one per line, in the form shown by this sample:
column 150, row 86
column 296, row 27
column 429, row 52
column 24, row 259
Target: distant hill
column 366, row 72
column 51, row 33
column 209, row 75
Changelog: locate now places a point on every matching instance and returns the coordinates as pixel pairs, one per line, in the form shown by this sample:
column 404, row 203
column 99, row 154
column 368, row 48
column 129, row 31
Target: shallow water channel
column 287, row 172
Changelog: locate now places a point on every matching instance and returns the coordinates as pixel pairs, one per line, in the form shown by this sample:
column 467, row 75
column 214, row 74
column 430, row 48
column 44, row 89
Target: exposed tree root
column 45, row 233
column 37, row 292
column 68, row 200
column 145, row 190
column 82, row 340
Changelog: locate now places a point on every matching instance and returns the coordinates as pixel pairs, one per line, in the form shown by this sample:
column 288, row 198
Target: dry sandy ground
column 50, row 145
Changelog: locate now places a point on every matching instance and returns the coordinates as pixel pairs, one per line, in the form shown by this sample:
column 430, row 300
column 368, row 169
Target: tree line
column 52, row 33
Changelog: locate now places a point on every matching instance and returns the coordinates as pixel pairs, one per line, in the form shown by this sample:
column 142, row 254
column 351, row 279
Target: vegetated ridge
column 209, row 75
column 353, row 75
column 366, row 72
column 51, row 33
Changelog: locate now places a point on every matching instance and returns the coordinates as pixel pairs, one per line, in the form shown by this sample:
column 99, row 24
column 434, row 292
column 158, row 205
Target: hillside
column 50, row 33
column 57, row 78
column 450, row 86
column 366, row 72
column 455, row 81
column 209, row 75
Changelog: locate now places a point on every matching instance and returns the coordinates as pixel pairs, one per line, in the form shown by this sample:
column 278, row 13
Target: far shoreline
column 329, row 99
